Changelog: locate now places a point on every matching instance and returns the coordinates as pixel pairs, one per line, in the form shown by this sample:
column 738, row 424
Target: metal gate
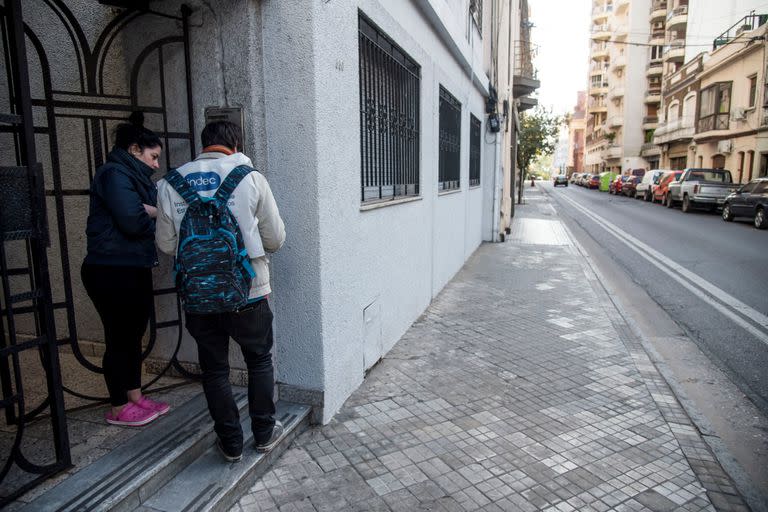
column 57, row 123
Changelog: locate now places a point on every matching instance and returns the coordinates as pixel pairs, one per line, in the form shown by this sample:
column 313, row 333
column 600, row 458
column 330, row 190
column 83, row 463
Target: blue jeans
column 251, row 328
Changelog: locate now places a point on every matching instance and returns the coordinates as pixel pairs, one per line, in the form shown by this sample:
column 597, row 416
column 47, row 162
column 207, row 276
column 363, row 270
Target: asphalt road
column 710, row 276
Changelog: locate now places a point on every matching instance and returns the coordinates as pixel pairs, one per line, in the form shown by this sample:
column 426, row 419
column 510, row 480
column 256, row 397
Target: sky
column 561, row 31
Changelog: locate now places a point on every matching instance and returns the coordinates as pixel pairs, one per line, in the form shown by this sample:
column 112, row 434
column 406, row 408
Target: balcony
column 746, row 24
column 618, row 62
column 616, row 92
column 649, row 149
column 654, row 68
column 673, row 131
column 615, row 121
column 620, row 5
column 658, row 10
column 713, row 122
column 601, row 32
column 677, row 16
column 597, row 107
column 599, row 51
column 600, row 13
column 653, row 95
column 675, row 51
column 650, row 122
column 526, row 103
column 657, row 38
column 612, row 152
column 524, row 80
column 596, row 89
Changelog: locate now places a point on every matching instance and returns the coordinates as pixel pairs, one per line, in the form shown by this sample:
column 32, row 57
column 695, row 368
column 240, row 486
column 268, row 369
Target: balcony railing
column 678, row 11
column 747, row 23
column 713, row 122
column 650, row 119
column 658, row 5
column 524, row 53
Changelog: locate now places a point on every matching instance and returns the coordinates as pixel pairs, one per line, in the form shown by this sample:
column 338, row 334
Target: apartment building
column 617, row 86
column 576, row 122
column 508, row 58
column 731, row 124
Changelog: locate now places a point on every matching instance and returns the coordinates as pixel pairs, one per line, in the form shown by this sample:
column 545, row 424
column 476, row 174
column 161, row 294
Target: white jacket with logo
column 251, row 203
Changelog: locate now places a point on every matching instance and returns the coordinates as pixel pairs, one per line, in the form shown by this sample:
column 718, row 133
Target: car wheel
column 727, row 213
column 686, row 204
column 761, row 219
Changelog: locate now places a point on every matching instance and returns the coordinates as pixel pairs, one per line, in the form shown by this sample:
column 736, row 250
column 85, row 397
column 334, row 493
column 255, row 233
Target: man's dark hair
column 222, row 133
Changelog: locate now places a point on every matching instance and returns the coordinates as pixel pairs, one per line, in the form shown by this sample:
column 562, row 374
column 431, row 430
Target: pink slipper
column 131, row 416
column 153, row 405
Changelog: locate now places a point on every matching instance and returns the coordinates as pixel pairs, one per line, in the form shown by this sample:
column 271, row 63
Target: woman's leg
column 122, row 297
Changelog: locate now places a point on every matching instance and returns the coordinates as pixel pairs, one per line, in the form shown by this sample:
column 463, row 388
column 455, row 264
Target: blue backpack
column 213, row 271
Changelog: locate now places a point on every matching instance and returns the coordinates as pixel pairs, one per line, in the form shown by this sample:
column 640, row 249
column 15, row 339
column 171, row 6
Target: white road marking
column 728, row 304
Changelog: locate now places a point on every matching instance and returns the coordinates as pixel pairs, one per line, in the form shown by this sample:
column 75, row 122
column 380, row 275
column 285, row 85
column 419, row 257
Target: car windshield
column 718, row 176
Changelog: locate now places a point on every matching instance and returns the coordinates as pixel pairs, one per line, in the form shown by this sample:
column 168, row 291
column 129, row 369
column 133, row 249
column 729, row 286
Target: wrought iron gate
column 49, row 108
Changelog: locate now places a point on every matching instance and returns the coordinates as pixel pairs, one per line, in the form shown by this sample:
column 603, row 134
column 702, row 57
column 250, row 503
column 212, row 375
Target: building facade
column 576, row 123
column 374, row 136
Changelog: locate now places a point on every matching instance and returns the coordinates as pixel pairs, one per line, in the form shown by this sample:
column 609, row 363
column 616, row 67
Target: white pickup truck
column 701, row 188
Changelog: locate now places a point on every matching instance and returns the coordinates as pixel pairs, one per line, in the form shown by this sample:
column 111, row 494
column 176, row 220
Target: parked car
column 630, row 185
column 661, row 189
column 561, row 179
column 699, row 188
column 616, row 184
column 751, row 200
column 593, row 181
column 637, row 172
column 582, row 177
column 650, row 179
column 574, row 177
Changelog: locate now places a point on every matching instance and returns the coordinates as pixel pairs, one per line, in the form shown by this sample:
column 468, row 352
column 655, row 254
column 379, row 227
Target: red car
column 660, row 191
column 615, row 186
column 629, row 187
column 594, row 181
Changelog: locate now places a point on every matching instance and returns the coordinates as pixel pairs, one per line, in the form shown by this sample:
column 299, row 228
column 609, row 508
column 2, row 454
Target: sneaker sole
column 264, row 448
column 132, row 423
column 229, row 458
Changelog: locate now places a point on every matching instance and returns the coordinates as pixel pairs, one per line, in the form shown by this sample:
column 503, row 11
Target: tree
column 538, row 136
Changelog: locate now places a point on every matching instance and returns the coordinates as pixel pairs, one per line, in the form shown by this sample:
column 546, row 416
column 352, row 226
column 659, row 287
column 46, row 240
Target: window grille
column 450, row 141
column 476, row 12
column 474, row 151
column 389, row 117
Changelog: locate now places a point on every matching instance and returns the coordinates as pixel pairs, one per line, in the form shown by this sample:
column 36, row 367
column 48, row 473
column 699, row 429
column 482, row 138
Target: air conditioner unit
column 739, row 114
column 725, row 146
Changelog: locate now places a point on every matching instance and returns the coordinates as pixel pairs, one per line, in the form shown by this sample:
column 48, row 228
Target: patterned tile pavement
column 520, row 388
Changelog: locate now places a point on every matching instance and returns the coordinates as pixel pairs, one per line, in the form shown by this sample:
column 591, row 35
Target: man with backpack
column 218, row 217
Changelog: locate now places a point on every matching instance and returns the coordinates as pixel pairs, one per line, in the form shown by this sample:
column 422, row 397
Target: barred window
column 474, row 151
column 389, row 116
column 450, row 141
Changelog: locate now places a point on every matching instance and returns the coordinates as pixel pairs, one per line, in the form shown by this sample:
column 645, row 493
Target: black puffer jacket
column 119, row 230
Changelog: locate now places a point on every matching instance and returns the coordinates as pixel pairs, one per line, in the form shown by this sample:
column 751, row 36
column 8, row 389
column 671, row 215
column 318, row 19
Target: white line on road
column 728, row 304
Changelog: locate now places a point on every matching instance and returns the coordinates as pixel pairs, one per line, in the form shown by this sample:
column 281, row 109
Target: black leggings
column 123, row 298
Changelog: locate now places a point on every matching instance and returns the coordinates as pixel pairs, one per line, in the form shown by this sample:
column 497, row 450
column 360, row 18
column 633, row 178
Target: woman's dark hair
column 222, row 133
column 133, row 132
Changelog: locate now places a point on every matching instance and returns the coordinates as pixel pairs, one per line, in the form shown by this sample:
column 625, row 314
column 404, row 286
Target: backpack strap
column 180, row 185
column 231, row 182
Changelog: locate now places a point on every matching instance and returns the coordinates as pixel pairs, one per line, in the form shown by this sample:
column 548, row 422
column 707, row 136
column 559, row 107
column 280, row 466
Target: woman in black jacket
column 117, row 271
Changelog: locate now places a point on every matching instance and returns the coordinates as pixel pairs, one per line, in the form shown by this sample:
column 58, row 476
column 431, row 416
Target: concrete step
column 127, row 476
column 212, row 484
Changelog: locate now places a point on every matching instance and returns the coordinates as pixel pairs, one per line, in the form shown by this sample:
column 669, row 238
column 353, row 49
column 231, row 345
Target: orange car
column 660, row 191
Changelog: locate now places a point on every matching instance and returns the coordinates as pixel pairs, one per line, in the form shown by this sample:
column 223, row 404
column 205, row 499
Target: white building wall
column 635, row 83
column 395, row 257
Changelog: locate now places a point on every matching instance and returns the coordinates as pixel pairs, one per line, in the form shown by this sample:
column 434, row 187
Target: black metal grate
column 474, row 150
column 450, row 141
column 389, row 117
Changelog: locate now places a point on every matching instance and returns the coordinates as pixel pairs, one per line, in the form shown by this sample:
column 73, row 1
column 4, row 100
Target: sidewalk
column 520, row 388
